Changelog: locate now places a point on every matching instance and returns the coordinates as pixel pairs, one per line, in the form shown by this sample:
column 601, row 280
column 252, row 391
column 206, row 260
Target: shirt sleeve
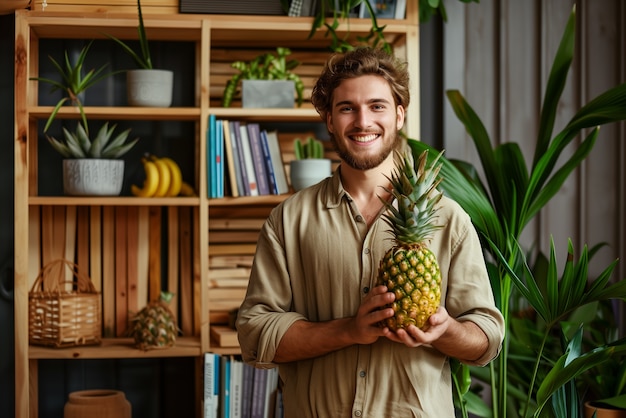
column 264, row 317
column 469, row 293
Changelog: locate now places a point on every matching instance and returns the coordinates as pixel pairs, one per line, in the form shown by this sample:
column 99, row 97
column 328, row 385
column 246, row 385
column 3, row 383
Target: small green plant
column 312, row 148
column 72, row 82
column 143, row 59
column 264, row 67
column 78, row 145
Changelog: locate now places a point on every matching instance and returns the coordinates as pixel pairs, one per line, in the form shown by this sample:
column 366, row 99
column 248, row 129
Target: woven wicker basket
column 62, row 317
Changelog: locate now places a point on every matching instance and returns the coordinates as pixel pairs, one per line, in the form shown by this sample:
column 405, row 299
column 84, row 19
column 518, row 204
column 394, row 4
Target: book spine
column 219, row 159
column 249, row 163
column 242, row 176
column 268, row 163
column 254, row 136
column 229, row 153
column 210, row 148
column 277, row 161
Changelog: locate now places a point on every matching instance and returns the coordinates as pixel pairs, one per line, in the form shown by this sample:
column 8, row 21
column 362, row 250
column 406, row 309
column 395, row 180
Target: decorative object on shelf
column 97, row 403
column 146, row 86
column 310, row 166
column 163, row 178
column 239, row 7
column 155, row 325
column 93, row 168
column 266, row 67
column 73, row 82
column 64, row 307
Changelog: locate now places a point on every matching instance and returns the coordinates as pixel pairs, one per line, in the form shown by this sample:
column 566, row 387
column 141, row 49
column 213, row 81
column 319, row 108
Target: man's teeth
column 365, row 138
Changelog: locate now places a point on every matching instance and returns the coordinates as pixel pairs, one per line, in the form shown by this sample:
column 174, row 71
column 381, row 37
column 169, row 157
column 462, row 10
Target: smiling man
column 312, row 306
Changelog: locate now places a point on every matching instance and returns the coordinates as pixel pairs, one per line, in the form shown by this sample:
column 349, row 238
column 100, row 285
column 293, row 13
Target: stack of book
column 234, row 389
column 243, row 160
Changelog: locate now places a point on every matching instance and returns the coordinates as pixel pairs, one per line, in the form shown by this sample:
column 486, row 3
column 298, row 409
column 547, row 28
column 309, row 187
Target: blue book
column 211, row 385
column 210, row 138
column 219, row 159
column 225, row 387
column 268, row 163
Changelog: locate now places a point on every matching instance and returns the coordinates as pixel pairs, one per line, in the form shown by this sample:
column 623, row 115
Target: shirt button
column 366, row 289
column 359, row 218
column 366, row 250
column 357, row 413
column 362, row 373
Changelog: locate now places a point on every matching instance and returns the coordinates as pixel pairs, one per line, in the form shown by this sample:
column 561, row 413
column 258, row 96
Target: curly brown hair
column 356, row 63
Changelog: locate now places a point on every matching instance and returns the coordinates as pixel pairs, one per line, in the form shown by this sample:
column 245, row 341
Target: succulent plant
column 78, row 145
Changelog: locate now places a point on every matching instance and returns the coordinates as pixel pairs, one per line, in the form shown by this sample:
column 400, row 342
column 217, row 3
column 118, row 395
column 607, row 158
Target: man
column 312, row 306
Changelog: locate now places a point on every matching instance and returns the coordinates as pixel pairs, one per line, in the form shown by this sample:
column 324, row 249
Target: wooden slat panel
column 173, row 257
column 132, row 260
column 154, row 274
column 121, row 278
column 185, row 282
column 95, row 247
column 108, row 271
column 143, row 255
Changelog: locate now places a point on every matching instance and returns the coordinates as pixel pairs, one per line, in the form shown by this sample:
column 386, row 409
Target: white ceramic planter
column 150, row 88
column 268, row 93
column 307, row 172
column 93, row 177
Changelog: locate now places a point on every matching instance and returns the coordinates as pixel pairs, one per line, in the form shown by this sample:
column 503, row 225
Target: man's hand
column 365, row 325
column 414, row 337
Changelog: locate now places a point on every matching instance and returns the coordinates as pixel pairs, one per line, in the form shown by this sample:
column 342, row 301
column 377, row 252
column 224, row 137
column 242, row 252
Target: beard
column 367, row 162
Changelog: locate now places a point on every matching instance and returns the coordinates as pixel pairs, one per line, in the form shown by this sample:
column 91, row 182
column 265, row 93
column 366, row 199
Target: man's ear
column 400, row 113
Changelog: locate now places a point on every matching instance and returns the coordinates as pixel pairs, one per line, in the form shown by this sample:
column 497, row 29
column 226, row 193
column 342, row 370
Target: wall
column 498, row 54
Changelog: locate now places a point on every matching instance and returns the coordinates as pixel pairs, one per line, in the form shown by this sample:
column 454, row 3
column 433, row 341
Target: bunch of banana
column 163, row 178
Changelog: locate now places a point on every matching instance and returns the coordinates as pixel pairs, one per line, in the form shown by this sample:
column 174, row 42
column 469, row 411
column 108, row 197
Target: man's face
column 364, row 121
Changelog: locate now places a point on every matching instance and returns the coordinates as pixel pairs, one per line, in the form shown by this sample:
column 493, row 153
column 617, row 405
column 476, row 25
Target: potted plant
column 267, row 81
column 500, row 208
column 310, row 166
column 93, row 167
column 146, row 86
column 73, row 83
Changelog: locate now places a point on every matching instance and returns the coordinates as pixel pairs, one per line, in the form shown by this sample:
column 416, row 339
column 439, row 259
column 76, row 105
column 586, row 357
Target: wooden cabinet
column 133, row 247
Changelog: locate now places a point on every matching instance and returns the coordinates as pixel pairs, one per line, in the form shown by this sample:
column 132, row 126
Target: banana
column 187, row 190
column 164, row 177
column 176, row 181
column 151, row 183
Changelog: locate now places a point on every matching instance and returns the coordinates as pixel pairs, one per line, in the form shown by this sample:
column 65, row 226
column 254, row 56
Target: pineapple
column 409, row 269
column 155, row 325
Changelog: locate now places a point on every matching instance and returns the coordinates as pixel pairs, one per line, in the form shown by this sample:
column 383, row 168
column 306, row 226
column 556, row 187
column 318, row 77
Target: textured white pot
column 151, row 88
column 93, row 177
column 307, row 172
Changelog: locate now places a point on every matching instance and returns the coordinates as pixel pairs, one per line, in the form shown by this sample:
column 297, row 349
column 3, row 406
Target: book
column 229, row 154
column 248, row 161
column 259, row 383
column 278, row 164
column 224, row 396
column 210, row 149
column 246, row 390
column 256, row 148
column 242, row 176
column 236, row 382
column 268, row 163
column 271, row 389
column 219, row 159
column 211, row 385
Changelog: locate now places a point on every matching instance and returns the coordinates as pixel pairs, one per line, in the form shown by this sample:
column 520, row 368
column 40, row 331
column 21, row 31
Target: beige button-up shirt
column 316, row 259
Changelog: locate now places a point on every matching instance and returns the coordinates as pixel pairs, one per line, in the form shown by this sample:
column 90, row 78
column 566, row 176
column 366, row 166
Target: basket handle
column 51, row 278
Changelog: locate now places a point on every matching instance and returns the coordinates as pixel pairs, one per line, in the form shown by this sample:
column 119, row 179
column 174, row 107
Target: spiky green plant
column 73, row 82
column 78, row 144
column 142, row 58
column 511, row 197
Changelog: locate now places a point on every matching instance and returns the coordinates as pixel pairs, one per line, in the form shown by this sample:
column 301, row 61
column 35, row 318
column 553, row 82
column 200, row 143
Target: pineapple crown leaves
column 417, row 195
column 78, row 144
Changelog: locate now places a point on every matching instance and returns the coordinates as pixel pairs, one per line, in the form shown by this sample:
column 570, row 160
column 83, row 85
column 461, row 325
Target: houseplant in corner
column 267, row 81
column 310, row 166
column 93, row 167
column 146, row 86
column 501, row 208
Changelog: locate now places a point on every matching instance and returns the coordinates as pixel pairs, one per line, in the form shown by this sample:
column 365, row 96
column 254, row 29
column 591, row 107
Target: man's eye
column 346, row 109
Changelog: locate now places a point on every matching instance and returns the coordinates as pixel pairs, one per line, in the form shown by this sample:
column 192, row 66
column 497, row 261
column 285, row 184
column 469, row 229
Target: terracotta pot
column 97, row 403
column 602, row 412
